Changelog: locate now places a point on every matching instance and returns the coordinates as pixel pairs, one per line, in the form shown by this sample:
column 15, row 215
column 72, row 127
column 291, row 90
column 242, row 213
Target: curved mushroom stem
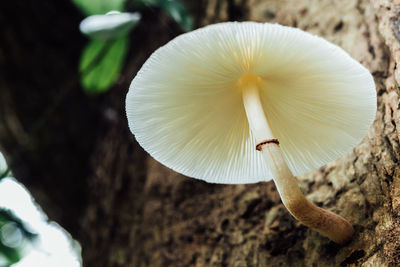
column 325, row 222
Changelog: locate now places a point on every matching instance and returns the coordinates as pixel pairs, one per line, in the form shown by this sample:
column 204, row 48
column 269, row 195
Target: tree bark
column 85, row 169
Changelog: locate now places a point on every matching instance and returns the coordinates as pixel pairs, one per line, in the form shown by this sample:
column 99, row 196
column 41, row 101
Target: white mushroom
column 202, row 103
column 109, row 26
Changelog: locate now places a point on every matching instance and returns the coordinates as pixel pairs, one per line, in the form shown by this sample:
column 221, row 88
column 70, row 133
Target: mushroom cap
column 109, row 26
column 186, row 111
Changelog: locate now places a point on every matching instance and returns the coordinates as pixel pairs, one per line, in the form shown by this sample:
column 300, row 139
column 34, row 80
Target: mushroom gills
column 325, row 222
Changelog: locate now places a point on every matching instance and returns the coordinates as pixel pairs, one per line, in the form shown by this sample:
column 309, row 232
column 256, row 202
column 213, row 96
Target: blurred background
column 63, row 75
column 76, row 188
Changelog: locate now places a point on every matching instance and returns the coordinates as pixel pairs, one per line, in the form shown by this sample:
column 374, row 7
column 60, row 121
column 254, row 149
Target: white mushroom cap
column 110, row 25
column 185, row 109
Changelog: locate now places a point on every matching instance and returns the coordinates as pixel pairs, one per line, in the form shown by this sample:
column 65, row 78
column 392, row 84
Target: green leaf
column 93, row 7
column 178, row 11
column 174, row 8
column 101, row 62
column 5, row 173
column 7, row 216
column 12, row 255
column 4, row 169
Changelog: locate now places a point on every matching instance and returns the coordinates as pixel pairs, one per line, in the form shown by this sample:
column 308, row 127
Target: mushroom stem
column 325, row 222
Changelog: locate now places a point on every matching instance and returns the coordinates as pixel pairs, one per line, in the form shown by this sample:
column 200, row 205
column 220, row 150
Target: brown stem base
column 323, row 221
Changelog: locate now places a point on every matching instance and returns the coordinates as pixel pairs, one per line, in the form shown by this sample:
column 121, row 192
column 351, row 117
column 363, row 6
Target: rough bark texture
column 89, row 174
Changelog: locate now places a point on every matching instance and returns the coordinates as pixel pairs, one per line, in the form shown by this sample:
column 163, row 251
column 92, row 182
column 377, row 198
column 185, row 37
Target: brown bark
column 128, row 210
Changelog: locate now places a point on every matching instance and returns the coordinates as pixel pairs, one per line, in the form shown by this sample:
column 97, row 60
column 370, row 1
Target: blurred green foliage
column 4, row 174
column 93, row 7
column 179, row 13
column 174, row 8
column 101, row 61
column 14, row 236
column 4, row 169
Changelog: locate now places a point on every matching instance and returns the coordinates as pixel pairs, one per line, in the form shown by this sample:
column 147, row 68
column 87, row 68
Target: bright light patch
column 54, row 246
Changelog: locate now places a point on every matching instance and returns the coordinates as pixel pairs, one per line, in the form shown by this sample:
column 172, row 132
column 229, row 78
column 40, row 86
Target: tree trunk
column 76, row 154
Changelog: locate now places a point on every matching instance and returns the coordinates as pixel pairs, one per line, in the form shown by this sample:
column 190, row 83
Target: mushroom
column 243, row 102
column 109, row 26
